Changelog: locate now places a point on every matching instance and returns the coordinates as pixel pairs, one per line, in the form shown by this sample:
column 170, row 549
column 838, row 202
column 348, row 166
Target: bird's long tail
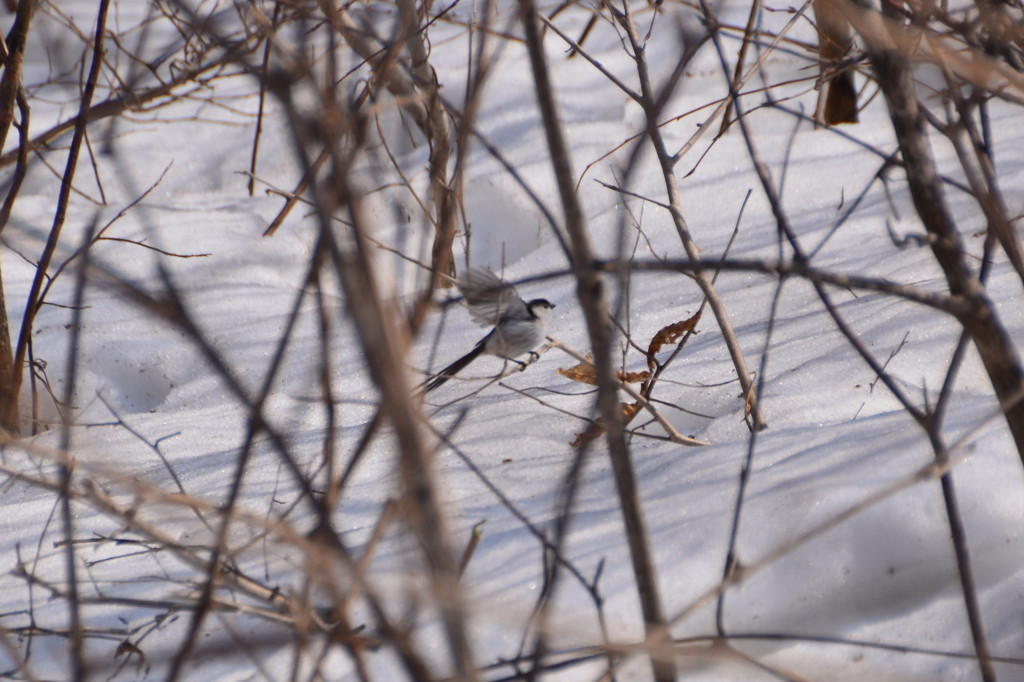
column 454, row 368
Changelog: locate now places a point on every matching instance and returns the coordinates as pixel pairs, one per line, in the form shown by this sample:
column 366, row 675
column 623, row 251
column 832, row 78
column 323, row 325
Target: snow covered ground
column 158, row 431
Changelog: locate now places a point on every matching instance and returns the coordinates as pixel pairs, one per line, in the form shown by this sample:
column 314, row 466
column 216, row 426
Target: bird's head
column 541, row 308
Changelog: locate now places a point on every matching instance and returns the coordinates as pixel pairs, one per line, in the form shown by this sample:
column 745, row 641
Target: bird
column 518, row 326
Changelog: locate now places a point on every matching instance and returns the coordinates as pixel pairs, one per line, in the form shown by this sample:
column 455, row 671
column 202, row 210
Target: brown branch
column 116, row 106
column 9, row 372
column 11, row 93
column 590, row 292
column 264, row 69
column 893, row 69
column 889, row 49
column 10, row 418
column 10, row 85
column 416, row 91
column 652, row 103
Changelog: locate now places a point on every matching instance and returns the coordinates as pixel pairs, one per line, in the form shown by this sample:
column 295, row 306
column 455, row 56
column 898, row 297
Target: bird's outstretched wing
column 489, row 298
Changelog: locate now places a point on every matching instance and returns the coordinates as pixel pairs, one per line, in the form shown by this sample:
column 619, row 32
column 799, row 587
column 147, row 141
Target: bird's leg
column 534, row 357
column 522, row 365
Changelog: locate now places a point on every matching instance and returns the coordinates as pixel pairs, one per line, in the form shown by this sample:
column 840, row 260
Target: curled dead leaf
column 581, row 372
column 668, row 335
column 596, row 428
column 592, row 433
column 127, row 648
column 584, row 373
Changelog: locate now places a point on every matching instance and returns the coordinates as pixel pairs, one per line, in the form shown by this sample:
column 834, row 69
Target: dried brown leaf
column 593, row 432
column 748, row 405
column 669, row 334
column 582, row 372
column 126, row 648
column 596, row 428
